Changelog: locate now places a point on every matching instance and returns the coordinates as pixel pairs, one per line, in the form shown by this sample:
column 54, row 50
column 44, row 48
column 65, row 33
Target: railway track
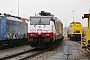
column 19, row 55
column 40, row 52
column 26, row 54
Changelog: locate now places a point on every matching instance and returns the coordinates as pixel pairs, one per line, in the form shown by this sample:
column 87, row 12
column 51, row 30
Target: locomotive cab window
column 45, row 21
column 40, row 21
column 34, row 21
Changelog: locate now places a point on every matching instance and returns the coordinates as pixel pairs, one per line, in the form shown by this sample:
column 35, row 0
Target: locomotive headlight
column 88, row 41
column 47, row 34
column 31, row 34
column 83, row 40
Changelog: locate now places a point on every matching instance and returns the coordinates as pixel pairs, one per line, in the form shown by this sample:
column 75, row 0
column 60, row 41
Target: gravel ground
column 48, row 53
column 83, row 55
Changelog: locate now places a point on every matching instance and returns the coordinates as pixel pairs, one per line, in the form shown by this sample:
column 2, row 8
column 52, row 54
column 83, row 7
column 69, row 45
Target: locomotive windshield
column 40, row 21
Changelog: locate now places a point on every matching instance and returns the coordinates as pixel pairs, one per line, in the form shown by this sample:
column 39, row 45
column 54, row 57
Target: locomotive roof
column 75, row 23
column 54, row 18
column 11, row 18
column 14, row 18
column 39, row 16
column 57, row 19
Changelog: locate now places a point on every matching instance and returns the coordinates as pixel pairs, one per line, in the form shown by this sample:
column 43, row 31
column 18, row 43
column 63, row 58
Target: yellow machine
column 75, row 31
column 85, row 43
column 83, row 40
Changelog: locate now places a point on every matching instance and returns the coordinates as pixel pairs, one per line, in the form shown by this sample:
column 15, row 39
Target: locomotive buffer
column 67, row 50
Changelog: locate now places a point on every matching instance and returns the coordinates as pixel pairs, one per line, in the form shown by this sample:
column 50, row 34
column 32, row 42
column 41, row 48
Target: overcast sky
column 60, row 8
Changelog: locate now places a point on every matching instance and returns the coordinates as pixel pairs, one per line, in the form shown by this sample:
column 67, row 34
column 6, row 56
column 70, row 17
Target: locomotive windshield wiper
column 40, row 23
column 36, row 24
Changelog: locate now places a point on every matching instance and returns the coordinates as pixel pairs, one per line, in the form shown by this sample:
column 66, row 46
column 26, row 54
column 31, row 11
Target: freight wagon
column 13, row 30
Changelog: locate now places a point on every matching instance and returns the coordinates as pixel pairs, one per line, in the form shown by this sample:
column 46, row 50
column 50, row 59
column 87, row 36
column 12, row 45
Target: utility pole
column 89, row 9
column 58, row 16
column 66, row 25
column 66, row 28
column 73, row 14
column 18, row 8
column 35, row 14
